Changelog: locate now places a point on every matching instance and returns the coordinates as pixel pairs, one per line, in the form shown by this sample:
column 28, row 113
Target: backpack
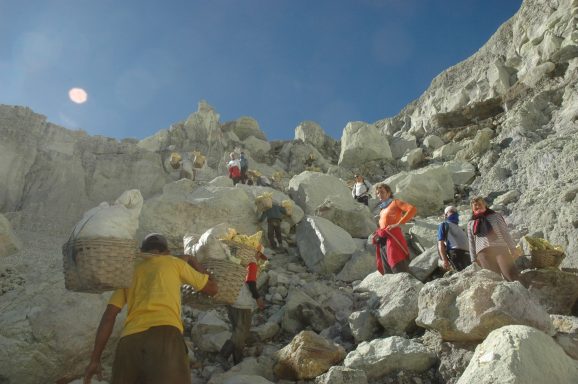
column 244, row 162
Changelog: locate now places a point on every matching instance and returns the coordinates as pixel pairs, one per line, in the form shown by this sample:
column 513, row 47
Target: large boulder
column 362, row 142
column 380, row 357
column 307, row 356
column 470, row 304
column 246, row 126
column 310, row 189
column 394, row 300
column 520, row 354
column 345, row 212
column 183, row 208
column 426, row 188
column 323, row 246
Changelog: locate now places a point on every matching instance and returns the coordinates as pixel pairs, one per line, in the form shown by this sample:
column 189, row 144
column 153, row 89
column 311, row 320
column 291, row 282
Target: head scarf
column 482, row 226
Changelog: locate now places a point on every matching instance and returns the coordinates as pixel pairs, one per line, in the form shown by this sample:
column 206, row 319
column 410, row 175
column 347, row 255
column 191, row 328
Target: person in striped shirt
column 490, row 242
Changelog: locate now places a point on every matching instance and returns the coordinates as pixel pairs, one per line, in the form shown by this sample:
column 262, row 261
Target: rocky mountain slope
column 503, row 124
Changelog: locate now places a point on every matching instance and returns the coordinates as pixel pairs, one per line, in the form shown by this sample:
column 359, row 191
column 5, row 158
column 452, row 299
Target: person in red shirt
column 241, row 315
column 393, row 213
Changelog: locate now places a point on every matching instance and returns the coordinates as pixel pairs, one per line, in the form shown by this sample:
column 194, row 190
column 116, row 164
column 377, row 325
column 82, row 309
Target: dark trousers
column 459, row 258
column 241, row 323
column 363, row 199
column 274, row 231
column 157, row 356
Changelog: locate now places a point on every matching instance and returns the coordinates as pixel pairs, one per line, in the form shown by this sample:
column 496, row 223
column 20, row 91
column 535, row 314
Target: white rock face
column 361, row 142
column 310, row 189
column 520, row 354
column 426, row 188
column 324, row 247
column 347, row 213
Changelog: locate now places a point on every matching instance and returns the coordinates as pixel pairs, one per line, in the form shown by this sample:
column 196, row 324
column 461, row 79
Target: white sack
column 119, row 220
column 209, row 245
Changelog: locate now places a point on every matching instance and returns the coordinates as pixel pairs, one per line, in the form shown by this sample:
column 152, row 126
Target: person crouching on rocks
column 151, row 348
column 241, row 314
column 389, row 236
column 490, row 241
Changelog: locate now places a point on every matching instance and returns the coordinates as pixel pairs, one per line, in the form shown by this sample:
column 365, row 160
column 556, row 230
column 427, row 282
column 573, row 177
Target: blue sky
column 146, row 64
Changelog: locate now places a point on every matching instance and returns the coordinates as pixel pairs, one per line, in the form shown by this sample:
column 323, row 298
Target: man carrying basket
column 241, row 314
column 151, row 348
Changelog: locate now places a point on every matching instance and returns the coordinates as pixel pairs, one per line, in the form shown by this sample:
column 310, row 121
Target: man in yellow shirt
column 151, row 348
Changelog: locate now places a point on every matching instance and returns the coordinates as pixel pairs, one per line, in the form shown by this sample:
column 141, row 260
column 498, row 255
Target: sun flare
column 78, row 95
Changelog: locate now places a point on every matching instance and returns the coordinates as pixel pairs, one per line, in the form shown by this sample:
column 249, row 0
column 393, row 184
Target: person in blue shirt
column 274, row 215
column 452, row 241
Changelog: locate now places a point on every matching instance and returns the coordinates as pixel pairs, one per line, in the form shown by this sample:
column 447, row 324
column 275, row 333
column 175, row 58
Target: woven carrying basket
column 229, row 277
column 97, row 265
column 547, row 258
column 241, row 251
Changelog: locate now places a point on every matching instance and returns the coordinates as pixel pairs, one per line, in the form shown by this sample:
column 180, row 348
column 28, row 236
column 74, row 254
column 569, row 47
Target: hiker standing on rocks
column 490, row 241
column 393, row 213
column 234, row 167
column 360, row 190
column 452, row 241
column 274, row 216
column 244, row 163
column 151, row 348
column 241, row 315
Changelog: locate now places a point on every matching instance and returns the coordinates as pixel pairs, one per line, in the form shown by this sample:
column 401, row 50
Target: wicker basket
column 229, row 277
column 547, row 258
column 245, row 253
column 99, row 264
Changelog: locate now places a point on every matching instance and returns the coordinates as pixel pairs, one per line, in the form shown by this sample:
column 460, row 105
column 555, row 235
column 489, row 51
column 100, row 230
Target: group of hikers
column 487, row 241
column 152, row 348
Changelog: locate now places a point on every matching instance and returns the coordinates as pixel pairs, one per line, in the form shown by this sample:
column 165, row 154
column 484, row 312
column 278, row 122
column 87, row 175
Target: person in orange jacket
column 393, row 213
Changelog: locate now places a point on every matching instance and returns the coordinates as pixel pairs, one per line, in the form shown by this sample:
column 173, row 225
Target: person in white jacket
column 360, row 190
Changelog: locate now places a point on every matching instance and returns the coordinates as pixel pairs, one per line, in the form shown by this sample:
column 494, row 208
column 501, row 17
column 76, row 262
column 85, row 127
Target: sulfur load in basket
column 225, row 255
column 100, row 253
column 543, row 254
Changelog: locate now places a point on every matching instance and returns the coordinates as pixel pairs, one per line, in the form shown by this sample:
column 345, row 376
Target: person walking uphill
column 244, row 163
column 274, row 216
column 452, row 241
column 241, row 315
column 360, row 190
column 490, row 241
column 151, row 348
column 234, row 167
column 393, row 213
